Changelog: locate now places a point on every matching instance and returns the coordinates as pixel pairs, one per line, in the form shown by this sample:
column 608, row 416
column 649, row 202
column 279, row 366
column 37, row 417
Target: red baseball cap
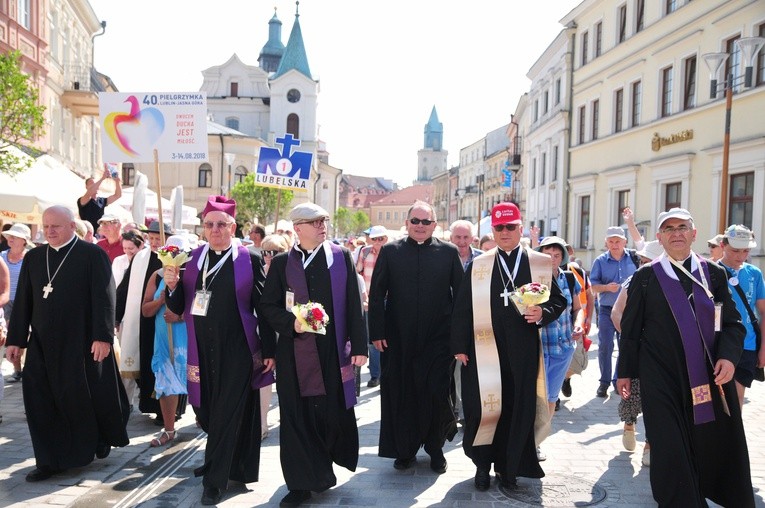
column 505, row 213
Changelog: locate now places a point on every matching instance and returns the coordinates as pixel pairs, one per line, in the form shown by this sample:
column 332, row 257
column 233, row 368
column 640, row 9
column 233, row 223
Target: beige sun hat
column 20, row 231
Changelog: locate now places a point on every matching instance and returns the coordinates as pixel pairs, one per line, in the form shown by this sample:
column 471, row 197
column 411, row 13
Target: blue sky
column 381, row 65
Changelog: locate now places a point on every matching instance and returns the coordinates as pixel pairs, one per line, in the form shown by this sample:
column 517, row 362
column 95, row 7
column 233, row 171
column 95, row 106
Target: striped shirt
column 15, row 270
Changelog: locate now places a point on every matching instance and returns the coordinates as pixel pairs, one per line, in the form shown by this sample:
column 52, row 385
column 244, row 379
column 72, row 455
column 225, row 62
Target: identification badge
column 718, row 317
column 289, row 300
column 200, row 303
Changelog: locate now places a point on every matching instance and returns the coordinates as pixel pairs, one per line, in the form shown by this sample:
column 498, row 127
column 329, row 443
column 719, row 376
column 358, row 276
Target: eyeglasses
column 218, row 225
column 679, row 229
column 381, row 238
column 271, row 253
column 425, row 222
column 510, row 227
column 317, row 223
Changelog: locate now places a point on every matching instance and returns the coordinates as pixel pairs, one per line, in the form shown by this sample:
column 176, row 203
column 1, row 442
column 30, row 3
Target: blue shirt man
column 737, row 243
column 608, row 272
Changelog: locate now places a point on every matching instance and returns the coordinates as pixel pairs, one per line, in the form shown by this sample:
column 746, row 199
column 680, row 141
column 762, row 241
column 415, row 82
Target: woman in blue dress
column 168, row 365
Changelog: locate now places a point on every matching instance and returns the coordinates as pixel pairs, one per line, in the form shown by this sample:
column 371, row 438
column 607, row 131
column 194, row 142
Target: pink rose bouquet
column 530, row 294
column 312, row 317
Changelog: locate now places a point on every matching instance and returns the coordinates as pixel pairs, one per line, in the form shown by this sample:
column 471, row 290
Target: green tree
column 21, row 115
column 257, row 201
column 359, row 222
column 343, row 221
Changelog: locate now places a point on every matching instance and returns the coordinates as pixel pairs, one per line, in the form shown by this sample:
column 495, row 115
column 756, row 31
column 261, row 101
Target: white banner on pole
column 133, row 125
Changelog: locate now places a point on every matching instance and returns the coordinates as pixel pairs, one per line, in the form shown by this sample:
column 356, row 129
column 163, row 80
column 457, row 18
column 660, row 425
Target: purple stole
column 243, row 281
column 307, row 364
column 697, row 330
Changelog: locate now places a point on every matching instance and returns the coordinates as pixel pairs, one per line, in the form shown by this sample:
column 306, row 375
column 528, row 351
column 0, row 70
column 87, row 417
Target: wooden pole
column 162, row 240
column 278, row 206
column 723, row 223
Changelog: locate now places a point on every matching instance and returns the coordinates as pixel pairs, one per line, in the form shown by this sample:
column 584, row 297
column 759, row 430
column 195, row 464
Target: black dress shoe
column 158, row 421
column 508, row 483
column 439, row 466
column 373, row 382
column 103, row 450
column 402, row 464
column 602, row 391
column 482, row 479
column 40, row 473
column 566, row 388
column 211, row 496
column 295, row 498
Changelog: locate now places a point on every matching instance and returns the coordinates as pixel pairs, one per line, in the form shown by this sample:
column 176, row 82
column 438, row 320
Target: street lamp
column 229, row 161
column 749, row 47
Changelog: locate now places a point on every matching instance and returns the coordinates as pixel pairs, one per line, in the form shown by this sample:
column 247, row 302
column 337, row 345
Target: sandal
column 164, row 437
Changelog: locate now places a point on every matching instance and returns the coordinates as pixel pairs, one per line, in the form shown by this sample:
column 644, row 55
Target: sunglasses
column 509, row 227
column 381, row 238
column 219, row 225
column 424, row 222
column 270, row 253
column 317, row 223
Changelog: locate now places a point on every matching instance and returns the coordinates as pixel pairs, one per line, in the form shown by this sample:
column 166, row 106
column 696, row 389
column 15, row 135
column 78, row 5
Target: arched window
column 205, row 175
column 232, row 123
column 293, row 125
column 239, row 173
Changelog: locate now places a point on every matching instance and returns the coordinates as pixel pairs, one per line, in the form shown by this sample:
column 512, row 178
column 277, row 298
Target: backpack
column 571, row 281
column 633, row 256
column 362, row 256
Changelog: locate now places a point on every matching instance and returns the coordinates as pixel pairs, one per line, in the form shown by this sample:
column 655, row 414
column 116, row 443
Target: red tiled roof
column 407, row 196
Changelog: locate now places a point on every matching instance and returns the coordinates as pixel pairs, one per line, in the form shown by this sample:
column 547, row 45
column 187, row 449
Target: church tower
column 294, row 97
column 272, row 52
column 432, row 158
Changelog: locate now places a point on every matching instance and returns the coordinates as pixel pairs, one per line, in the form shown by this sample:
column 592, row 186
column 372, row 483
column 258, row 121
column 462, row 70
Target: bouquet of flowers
column 172, row 255
column 530, row 294
column 312, row 317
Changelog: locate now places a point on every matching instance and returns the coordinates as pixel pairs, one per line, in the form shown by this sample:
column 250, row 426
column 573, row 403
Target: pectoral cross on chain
column 506, row 295
column 47, row 290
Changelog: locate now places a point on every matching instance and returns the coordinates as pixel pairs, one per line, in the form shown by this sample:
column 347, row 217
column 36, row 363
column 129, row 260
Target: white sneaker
column 541, row 457
column 628, row 440
column 647, row 457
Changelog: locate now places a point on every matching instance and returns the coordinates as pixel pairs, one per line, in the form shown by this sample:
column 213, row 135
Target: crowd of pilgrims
column 445, row 343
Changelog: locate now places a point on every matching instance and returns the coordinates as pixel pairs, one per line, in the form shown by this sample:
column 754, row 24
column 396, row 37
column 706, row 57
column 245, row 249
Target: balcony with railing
column 81, row 86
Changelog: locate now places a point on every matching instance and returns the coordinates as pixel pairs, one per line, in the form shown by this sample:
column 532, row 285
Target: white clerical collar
column 73, row 238
column 509, row 252
column 666, row 264
column 307, row 259
column 235, row 244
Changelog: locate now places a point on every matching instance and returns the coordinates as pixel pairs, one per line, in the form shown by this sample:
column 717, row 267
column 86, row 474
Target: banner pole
column 162, row 239
column 278, row 206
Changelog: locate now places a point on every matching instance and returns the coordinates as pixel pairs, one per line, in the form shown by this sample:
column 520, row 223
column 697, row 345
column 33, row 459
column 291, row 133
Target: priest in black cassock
column 316, row 378
column 682, row 336
column 503, row 378
column 410, row 307
column 75, row 404
column 219, row 298
column 136, row 332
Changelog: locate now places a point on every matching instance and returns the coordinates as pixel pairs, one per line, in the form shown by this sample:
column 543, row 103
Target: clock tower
column 431, row 160
column 294, row 95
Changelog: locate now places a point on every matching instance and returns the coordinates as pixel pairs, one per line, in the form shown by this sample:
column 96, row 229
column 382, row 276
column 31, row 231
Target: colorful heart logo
column 135, row 132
